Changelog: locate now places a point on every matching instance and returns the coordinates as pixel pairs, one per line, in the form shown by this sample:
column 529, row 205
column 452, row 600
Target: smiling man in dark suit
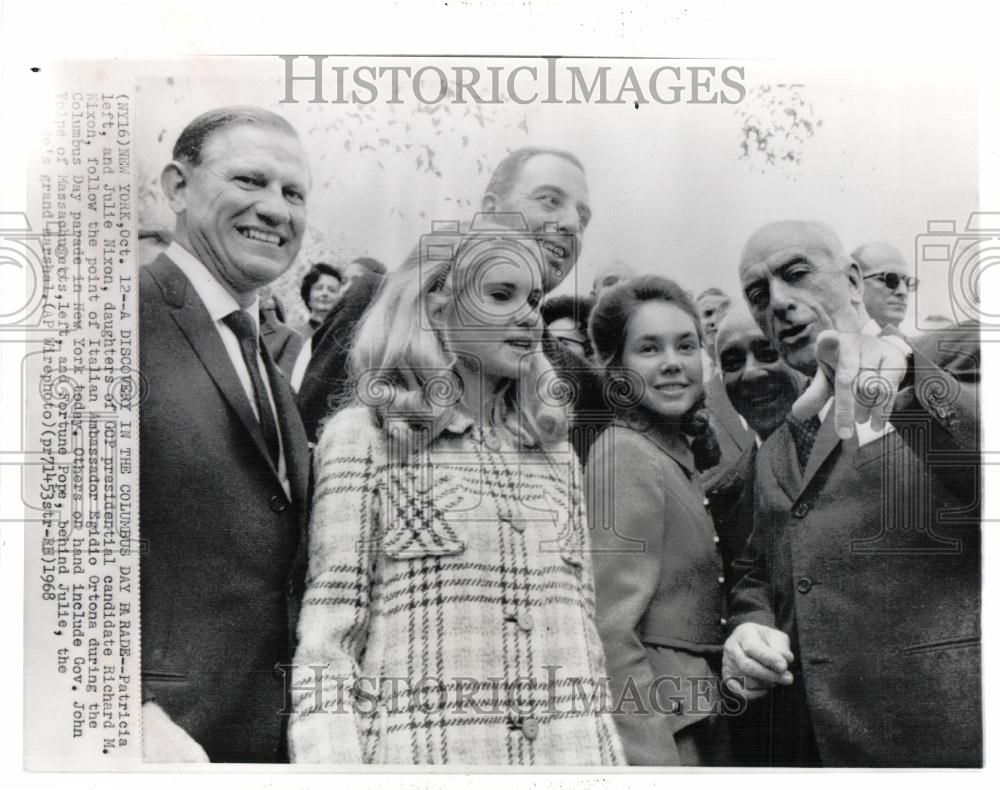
column 224, row 459
column 860, row 592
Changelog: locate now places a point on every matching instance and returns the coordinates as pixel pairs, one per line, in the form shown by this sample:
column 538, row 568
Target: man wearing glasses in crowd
column 888, row 282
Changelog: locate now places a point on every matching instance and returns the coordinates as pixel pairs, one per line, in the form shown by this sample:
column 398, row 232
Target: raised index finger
column 848, row 365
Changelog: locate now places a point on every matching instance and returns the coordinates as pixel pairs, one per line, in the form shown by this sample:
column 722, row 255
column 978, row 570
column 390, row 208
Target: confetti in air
column 777, row 122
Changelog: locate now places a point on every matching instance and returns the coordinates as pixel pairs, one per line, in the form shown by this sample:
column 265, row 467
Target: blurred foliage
column 418, row 148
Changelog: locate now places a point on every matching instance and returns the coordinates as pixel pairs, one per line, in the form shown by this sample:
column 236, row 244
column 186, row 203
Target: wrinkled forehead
column 248, row 145
column 737, row 329
column 712, row 301
column 775, row 245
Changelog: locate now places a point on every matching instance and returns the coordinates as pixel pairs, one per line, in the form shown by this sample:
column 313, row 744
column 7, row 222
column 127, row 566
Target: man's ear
column 489, row 203
column 174, row 181
column 856, row 281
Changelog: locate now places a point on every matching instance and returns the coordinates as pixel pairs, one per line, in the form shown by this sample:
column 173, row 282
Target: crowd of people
column 455, row 520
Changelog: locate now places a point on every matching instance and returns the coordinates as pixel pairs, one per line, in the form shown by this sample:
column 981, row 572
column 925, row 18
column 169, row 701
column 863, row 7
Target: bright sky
column 669, row 190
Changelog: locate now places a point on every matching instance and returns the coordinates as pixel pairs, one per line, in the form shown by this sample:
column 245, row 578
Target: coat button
column 278, row 504
column 722, row 580
column 491, row 441
column 530, row 728
column 715, row 538
column 723, row 621
column 800, row 510
column 804, row 585
column 525, row 621
column 705, row 501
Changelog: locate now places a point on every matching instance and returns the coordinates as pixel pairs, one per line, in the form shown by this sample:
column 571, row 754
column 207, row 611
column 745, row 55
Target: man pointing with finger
column 857, row 604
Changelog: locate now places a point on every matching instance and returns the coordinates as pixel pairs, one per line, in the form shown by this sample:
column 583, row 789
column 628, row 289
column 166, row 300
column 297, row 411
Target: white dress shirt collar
column 217, row 300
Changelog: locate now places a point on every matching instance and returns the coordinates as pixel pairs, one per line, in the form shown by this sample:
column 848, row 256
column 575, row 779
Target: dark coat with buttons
column 221, row 541
column 659, row 582
column 870, row 560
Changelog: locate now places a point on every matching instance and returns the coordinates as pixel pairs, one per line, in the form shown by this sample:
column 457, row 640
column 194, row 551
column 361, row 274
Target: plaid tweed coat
column 449, row 610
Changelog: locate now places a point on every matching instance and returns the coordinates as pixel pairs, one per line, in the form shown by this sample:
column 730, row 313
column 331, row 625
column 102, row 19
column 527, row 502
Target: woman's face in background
column 323, row 295
column 662, row 348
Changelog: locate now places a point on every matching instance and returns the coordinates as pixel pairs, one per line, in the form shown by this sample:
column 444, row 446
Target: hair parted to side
column 402, row 372
column 191, row 142
column 506, row 172
column 609, row 320
column 312, row 276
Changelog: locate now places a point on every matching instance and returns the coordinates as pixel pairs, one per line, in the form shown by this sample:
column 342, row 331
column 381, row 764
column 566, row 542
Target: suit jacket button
column 278, row 504
column 530, row 728
column 800, row 510
column 804, row 585
column 525, row 621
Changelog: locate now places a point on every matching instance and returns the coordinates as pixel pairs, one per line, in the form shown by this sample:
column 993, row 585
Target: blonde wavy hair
column 402, row 372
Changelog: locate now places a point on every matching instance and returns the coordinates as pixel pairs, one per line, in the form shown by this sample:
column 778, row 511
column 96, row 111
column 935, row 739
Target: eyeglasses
column 891, row 280
column 734, row 359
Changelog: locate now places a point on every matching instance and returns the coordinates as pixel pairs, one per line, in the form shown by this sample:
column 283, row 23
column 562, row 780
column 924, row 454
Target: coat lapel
column 784, row 462
column 197, row 326
column 726, row 416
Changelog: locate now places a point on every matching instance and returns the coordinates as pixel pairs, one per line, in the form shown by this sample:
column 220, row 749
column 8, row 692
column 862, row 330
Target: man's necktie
column 804, row 435
column 243, row 327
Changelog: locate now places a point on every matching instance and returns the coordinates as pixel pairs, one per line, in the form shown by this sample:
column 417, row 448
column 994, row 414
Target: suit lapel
column 293, row 434
column 197, row 326
column 784, row 462
column 725, row 413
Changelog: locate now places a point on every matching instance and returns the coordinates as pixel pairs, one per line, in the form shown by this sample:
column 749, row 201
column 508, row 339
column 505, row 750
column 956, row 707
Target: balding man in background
column 888, row 282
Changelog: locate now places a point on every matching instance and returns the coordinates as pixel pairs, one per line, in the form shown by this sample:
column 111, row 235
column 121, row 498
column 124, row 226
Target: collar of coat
column 661, row 432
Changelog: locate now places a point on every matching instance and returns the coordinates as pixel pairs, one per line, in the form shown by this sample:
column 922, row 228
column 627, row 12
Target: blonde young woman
column 449, row 610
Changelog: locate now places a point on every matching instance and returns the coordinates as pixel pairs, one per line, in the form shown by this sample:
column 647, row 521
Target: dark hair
column 371, row 264
column 189, row 145
column 566, row 306
column 506, row 173
column 609, row 321
column 316, row 271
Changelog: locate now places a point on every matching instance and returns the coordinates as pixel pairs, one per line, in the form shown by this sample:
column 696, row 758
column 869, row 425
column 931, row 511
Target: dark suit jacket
column 283, row 343
column 325, row 387
column 223, row 549
column 733, row 437
column 590, row 412
column 870, row 561
column 657, row 576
